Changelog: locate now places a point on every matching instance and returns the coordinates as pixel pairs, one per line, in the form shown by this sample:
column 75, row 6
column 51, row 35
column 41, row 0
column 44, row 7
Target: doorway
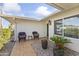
column 47, row 30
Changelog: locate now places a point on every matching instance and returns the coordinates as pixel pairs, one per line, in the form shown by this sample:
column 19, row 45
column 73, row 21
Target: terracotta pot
column 59, row 45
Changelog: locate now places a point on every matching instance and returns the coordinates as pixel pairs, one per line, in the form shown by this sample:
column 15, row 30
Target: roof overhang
column 60, row 6
column 13, row 19
column 63, row 7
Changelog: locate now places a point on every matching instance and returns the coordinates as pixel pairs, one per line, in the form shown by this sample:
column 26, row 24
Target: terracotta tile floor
column 23, row 49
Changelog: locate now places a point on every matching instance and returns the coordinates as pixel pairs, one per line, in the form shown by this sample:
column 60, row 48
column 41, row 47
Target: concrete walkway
column 23, row 49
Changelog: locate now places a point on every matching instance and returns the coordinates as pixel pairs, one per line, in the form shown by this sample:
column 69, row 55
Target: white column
column 63, row 28
column 15, row 30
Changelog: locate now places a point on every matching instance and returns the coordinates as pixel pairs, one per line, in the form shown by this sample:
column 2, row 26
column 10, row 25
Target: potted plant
column 44, row 43
column 59, row 45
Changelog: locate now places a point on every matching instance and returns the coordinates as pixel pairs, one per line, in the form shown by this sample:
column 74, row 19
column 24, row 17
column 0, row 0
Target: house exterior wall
column 51, row 29
column 30, row 26
column 74, row 11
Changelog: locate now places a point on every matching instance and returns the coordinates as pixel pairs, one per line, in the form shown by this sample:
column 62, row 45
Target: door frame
column 47, row 30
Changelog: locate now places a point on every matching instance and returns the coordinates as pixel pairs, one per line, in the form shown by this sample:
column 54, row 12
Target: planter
column 58, row 52
column 44, row 44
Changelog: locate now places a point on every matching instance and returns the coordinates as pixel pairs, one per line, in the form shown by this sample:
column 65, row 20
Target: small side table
column 29, row 37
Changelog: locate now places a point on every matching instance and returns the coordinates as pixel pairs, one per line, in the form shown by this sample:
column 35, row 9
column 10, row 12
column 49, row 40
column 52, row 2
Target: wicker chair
column 21, row 35
column 35, row 35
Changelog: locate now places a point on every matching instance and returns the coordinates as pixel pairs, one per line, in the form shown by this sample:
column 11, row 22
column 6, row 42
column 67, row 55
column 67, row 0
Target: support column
column 63, row 28
column 15, row 30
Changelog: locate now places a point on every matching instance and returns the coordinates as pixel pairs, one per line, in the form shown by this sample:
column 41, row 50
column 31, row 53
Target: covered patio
column 46, row 29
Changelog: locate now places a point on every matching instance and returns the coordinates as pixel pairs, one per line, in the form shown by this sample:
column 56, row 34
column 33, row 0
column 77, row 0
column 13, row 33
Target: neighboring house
column 43, row 27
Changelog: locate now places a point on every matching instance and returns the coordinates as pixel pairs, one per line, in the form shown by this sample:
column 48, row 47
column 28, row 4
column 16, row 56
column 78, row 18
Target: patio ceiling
column 60, row 6
column 64, row 6
column 35, row 11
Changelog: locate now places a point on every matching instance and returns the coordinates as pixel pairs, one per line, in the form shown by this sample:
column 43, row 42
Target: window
column 58, row 27
column 69, row 27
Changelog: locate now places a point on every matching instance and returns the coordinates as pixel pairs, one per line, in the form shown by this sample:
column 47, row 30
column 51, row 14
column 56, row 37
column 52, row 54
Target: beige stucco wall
column 74, row 11
column 30, row 26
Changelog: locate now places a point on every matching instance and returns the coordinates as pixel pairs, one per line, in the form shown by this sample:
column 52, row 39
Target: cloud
column 5, row 13
column 42, row 10
column 14, row 14
column 8, row 7
column 12, row 9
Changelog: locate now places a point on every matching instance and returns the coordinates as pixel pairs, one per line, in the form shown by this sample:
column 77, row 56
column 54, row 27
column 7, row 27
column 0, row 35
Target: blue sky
column 5, row 23
column 72, row 21
column 32, row 10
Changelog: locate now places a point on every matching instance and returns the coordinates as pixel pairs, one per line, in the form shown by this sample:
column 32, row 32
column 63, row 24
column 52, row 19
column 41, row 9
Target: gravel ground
column 49, row 51
column 69, row 52
column 43, row 52
column 6, row 50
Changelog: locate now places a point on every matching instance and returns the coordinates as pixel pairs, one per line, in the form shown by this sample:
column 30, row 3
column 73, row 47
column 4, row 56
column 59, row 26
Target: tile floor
column 23, row 49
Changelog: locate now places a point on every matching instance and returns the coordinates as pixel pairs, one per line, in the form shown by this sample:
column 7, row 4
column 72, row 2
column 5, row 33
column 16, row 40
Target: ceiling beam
column 56, row 6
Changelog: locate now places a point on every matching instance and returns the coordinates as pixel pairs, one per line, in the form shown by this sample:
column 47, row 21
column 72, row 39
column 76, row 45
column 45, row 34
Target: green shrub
column 60, row 41
column 1, row 46
column 1, row 42
column 5, row 37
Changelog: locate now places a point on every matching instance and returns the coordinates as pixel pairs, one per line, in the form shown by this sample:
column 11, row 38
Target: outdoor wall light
column 50, row 22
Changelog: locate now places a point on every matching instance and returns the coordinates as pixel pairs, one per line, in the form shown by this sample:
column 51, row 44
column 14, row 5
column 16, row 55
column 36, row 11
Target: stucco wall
column 74, row 11
column 30, row 26
column 51, row 29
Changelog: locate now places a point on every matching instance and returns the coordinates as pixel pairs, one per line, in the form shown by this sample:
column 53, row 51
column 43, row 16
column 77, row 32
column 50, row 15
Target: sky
column 37, row 11
column 72, row 21
column 5, row 23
